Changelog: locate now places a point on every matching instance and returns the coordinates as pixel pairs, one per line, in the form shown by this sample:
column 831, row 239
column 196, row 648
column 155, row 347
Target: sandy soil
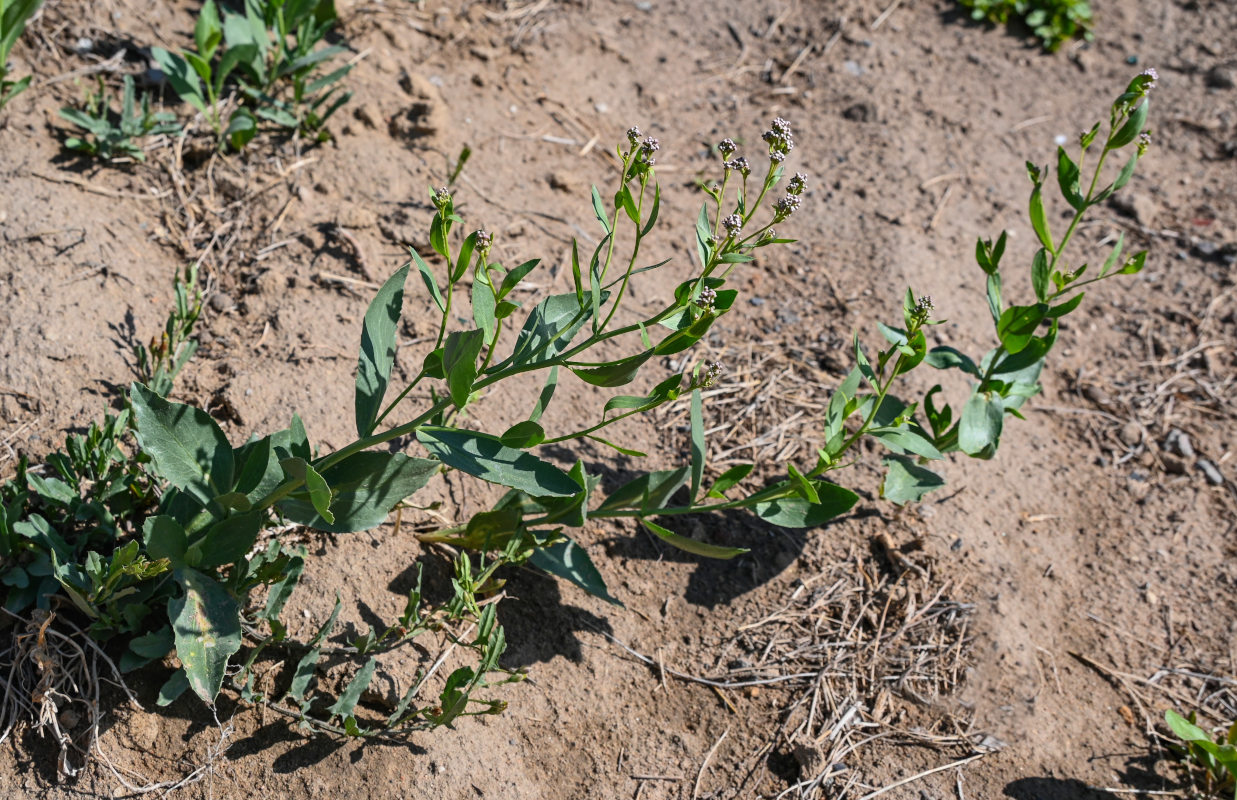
column 1084, row 578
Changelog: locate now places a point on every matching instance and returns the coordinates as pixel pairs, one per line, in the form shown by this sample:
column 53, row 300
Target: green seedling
column 160, row 363
column 1211, row 761
column 14, row 14
column 270, row 53
column 112, row 136
column 1054, row 22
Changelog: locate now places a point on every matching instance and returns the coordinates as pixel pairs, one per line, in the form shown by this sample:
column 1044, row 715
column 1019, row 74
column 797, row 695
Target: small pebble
column 1178, row 441
column 853, row 68
column 220, row 302
column 1172, row 464
column 757, row 301
column 1219, row 77
column 1210, row 472
column 1131, row 433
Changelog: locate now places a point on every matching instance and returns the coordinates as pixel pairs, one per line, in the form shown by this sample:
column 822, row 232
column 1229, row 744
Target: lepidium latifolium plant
column 204, row 574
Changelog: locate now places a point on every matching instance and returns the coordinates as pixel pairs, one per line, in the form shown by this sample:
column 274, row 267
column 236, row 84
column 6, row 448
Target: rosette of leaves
column 111, row 135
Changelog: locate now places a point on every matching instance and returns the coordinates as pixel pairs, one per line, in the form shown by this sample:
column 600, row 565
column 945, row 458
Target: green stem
column 631, row 263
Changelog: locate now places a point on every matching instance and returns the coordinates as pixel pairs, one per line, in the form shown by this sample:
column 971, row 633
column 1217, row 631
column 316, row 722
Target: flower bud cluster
column 726, row 147
column 708, row 296
column 739, row 165
column 733, row 225
column 785, row 207
column 484, row 241
column 441, row 198
column 712, row 371
column 1144, row 143
column 797, row 184
column 922, row 311
column 780, row 140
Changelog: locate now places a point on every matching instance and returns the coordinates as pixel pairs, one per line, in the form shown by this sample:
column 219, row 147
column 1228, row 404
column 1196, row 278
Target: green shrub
column 1053, row 21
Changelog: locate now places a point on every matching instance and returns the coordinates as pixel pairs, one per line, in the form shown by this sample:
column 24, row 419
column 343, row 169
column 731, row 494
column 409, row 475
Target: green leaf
column 227, row 541
column 647, row 493
column 549, row 329
column 175, row 686
column 459, row 361
column 699, row 450
column 348, row 699
column 317, row 487
column 627, row 451
column 431, row 283
column 948, row 358
column 1114, row 256
column 806, row 490
column 795, row 512
column 1041, row 274
column 207, row 628
column 704, row 236
column 155, row 644
column 512, row 279
column 909, row 439
column 1062, row 309
column 524, row 435
column 366, row 486
column 599, row 210
column 547, row 392
column 616, row 373
column 1132, row 127
column 188, row 449
column 1134, row 264
column 242, row 127
column 165, row 538
column 691, row 545
column 994, row 296
column 729, row 479
column 484, row 306
column 181, row 76
column 624, row 200
column 1039, row 220
column 979, row 430
column 569, row 561
column 905, row 481
column 1017, row 325
column 486, row 457
column 1067, row 178
column 303, row 676
column 464, row 259
column 378, row 345
column 648, row 226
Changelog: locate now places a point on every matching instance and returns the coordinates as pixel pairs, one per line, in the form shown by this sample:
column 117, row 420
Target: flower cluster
column 797, row 184
column 712, row 371
column 726, row 147
column 785, row 207
column 739, row 165
column 633, row 134
column 922, row 311
column 708, row 296
column 484, row 241
column 441, row 198
column 1153, row 76
column 733, row 225
column 1144, row 143
column 780, row 140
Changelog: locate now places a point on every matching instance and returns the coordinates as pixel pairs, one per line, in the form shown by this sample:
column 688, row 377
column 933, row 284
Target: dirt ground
column 1066, row 592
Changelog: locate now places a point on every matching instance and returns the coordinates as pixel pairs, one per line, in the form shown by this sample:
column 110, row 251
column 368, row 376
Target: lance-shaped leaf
column 365, row 487
column 459, row 362
column 569, row 561
column 315, row 485
column 206, row 625
column 906, row 481
column 691, row 545
column 378, row 343
column 796, row 512
column 616, row 373
column 486, row 457
column 188, row 449
column 550, row 328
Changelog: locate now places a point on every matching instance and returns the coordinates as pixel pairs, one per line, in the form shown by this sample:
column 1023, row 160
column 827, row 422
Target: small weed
column 112, row 136
column 160, row 363
column 1053, row 21
column 269, row 51
column 13, row 17
column 1210, row 762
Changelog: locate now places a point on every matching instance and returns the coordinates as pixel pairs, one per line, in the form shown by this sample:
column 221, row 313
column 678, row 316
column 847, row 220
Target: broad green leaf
column 464, row 260
column 549, row 329
column 691, row 545
column 155, row 644
column 1067, row 179
column 227, row 541
column 486, row 457
column 173, row 688
column 459, row 362
column 181, row 76
column 1134, row 264
column 979, row 430
column 806, row 490
column 1039, row 220
column 187, row 447
column 377, row 355
column 729, row 479
column 1017, row 325
column 569, row 561
column 365, row 486
column 512, row 279
column 1041, row 274
column 647, row 493
column 242, row 127
column 207, row 628
column 909, row 439
column 795, row 512
column 948, row 358
column 165, row 538
column 905, row 481
column 1062, row 309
